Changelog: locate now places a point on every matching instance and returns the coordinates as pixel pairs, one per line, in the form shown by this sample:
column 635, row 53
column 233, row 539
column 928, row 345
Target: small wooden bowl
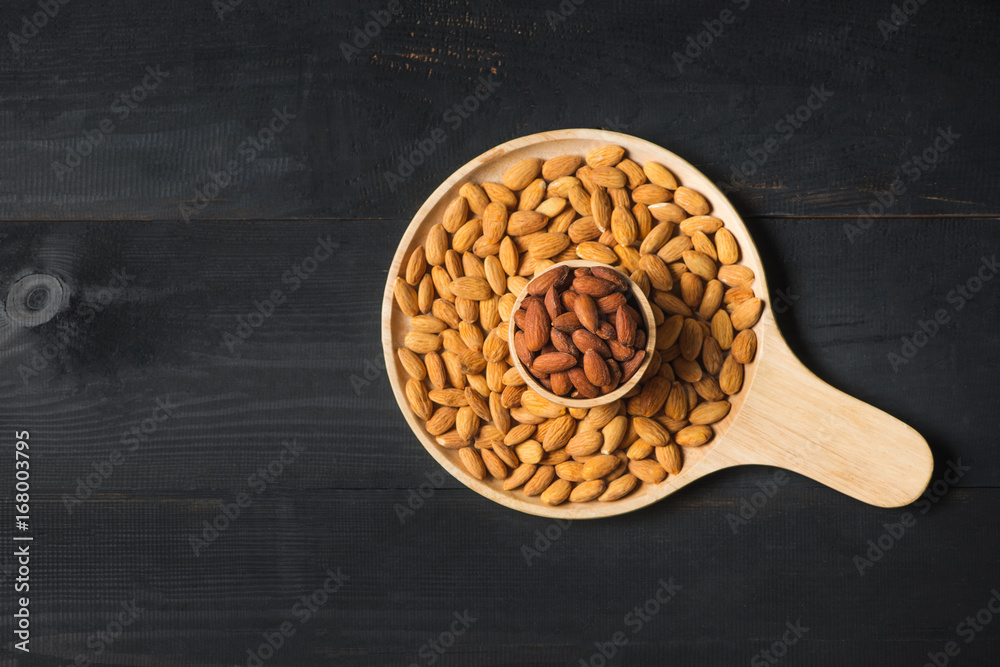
column 647, row 315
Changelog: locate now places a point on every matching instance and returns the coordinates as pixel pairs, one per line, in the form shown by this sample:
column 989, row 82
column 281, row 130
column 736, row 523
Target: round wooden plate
column 784, row 416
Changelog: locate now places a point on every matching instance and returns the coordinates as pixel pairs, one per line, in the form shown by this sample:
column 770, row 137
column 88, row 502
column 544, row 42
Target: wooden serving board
column 784, row 416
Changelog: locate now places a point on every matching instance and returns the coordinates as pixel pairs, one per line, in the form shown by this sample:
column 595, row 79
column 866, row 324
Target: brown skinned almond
column 647, row 470
column 593, row 286
column 651, row 193
column 595, row 368
column 660, row 175
column 700, row 264
column 587, row 491
column 540, row 481
column 709, row 412
column 522, row 223
column 599, row 466
column 632, row 365
column 746, row 314
column 494, row 464
column 570, row 471
column 605, row 156
column 612, row 276
column 546, row 281
column 691, row 338
column 736, row 275
column 609, row 177
column 671, row 304
column 495, row 222
column 728, row 249
column 625, row 327
column 676, row 406
column 536, row 326
column 586, row 311
column 601, row 208
column 670, row 458
column 562, row 165
column 692, row 202
column 651, row 431
column 711, row 299
column 552, row 362
column 586, row 341
column 473, row 462
column 731, row 376
column 519, row 175
column 519, row 476
column 694, row 436
column 583, row 386
column 744, row 346
column 585, row 443
column 722, row 329
column 472, row 288
column 557, row 492
column 711, row 356
column 619, row 488
column 610, row 303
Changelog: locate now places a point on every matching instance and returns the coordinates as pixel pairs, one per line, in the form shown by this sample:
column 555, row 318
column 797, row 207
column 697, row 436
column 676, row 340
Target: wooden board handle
column 794, row 420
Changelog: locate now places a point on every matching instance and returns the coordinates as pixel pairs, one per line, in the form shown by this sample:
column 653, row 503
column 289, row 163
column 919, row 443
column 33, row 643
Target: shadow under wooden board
column 784, row 415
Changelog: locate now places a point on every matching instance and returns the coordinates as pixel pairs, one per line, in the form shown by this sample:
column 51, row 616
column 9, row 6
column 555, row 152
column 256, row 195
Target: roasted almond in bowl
column 582, row 334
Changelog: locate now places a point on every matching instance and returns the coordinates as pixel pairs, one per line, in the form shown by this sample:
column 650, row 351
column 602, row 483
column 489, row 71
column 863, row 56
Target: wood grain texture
column 845, row 292
column 791, row 562
column 604, row 66
column 302, row 375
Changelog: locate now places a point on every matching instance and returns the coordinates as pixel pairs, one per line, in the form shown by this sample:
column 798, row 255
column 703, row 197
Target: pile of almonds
column 458, row 291
column 576, row 333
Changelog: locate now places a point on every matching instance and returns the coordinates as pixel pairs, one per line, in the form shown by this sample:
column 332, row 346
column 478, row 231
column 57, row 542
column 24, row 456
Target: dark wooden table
column 208, row 493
